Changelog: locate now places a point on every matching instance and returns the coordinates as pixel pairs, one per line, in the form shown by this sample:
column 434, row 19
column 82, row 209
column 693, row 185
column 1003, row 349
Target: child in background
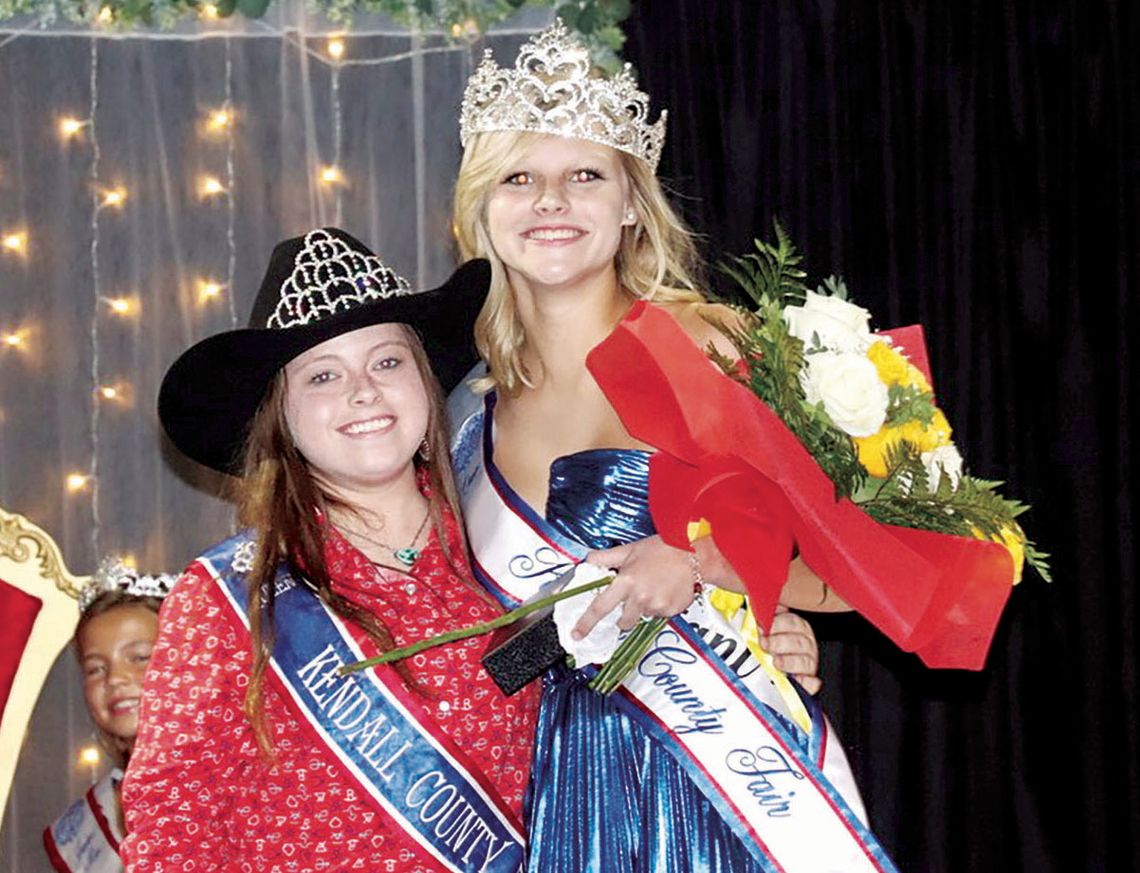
column 117, row 627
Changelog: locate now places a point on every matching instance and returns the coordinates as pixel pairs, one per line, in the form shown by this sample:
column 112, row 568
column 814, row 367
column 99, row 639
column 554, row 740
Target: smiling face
column 114, row 648
column 357, row 408
column 555, row 218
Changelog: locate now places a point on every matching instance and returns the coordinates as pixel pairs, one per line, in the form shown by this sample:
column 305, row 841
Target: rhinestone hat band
column 329, row 276
column 114, row 575
column 550, row 90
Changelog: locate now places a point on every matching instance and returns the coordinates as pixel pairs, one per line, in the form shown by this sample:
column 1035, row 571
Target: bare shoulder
column 702, row 321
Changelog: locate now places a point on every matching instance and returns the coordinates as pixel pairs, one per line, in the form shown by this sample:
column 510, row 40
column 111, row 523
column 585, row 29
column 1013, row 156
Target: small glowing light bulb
column 15, row 242
column 89, row 756
column 114, row 197
column 76, row 482
column 69, row 127
column 335, row 48
column 209, row 186
column 106, row 15
column 123, row 305
column 208, row 290
column 330, row 175
column 13, row 340
column 210, row 12
column 219, row 119
column 109, row 392
column 469, row 29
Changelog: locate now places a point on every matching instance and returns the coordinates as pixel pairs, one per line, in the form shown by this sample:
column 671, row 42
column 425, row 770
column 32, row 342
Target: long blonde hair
column 279, row 497
column 656, row 259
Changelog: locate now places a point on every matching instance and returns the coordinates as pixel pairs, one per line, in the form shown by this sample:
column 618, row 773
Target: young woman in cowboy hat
column 254, row 752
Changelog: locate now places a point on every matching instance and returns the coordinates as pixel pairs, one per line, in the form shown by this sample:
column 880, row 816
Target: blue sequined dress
column 605, row 796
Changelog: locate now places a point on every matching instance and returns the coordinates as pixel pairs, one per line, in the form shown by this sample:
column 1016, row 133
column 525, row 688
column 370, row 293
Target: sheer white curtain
column 154, row 203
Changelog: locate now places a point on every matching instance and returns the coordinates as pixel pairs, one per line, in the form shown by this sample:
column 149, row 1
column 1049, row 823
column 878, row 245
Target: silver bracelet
column 699, row 583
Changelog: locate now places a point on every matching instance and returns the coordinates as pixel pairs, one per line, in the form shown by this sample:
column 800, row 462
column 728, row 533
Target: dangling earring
column 424, row 451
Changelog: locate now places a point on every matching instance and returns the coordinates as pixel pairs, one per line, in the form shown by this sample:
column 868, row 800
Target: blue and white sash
column 698, row 691
column 85, row 839
column 401, row 760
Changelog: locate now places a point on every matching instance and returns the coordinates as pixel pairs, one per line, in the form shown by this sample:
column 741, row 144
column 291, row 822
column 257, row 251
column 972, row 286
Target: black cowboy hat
column 317, row 286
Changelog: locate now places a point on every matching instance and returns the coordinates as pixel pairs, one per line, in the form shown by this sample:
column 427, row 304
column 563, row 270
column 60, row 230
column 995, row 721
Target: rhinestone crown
column 551, row 90
column 330, row 276
column 114, row 575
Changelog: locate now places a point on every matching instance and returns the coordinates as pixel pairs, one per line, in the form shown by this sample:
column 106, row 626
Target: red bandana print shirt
column 199, row 796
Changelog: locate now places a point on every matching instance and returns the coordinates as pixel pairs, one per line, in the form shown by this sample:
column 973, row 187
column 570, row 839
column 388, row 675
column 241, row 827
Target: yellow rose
column 873, row 449
column 934, row 435
column 894, row 368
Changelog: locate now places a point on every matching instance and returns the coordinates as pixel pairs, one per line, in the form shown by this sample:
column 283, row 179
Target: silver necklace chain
column 406, row 555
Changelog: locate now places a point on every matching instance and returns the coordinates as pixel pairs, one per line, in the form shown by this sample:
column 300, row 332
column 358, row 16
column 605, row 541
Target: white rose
column 850, row 389
column 841, row 326
column 944, row 459
column 597, row 646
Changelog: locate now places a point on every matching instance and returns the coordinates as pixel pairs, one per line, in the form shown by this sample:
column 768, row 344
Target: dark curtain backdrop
column 974, row 167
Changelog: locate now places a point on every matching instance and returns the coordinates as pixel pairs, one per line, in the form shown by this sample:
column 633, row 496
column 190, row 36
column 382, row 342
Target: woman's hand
column 653, row 579
column 794, row 648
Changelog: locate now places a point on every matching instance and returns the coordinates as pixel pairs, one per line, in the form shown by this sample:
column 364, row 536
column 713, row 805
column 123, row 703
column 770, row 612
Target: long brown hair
column 279, row 498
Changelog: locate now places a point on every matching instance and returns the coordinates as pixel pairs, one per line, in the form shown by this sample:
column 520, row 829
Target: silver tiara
column 330, row 276
column 550, row 90
column 114, row 575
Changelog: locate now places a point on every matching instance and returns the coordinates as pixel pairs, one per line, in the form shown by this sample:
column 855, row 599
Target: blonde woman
column 706, row 758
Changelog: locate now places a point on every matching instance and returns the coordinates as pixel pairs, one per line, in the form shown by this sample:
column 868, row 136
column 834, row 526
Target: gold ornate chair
column 37, row 603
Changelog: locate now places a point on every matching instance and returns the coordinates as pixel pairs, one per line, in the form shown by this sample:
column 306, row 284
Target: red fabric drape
column 19, row 610
column 725, row 456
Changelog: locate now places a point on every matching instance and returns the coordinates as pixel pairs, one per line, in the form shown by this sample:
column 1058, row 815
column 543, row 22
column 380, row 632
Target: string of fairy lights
column 113, row 197
column 112, row 309
column 16, row 241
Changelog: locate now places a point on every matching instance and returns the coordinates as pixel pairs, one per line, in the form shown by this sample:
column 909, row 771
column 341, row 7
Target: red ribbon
column 726, row 456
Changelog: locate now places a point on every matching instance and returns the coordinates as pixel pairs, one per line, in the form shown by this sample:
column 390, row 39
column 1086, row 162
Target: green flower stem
column 610, row 676
column 611, row 673
column 474, row 630
column 631, row 650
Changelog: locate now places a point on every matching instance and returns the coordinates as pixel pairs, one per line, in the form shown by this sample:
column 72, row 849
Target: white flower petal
column 600, row 643
column 944, row 459
column 839, row 325
column 852, row 392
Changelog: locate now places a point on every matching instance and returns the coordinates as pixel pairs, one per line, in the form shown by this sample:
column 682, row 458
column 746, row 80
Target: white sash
column 402, row 761
column 85, row 839
column 715, row 711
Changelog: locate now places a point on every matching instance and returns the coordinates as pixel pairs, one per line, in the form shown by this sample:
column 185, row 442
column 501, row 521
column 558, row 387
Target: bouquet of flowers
column 823, row 435
column 862, row 408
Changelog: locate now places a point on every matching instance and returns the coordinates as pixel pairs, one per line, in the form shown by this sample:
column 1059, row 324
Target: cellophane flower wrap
column 826, row 435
